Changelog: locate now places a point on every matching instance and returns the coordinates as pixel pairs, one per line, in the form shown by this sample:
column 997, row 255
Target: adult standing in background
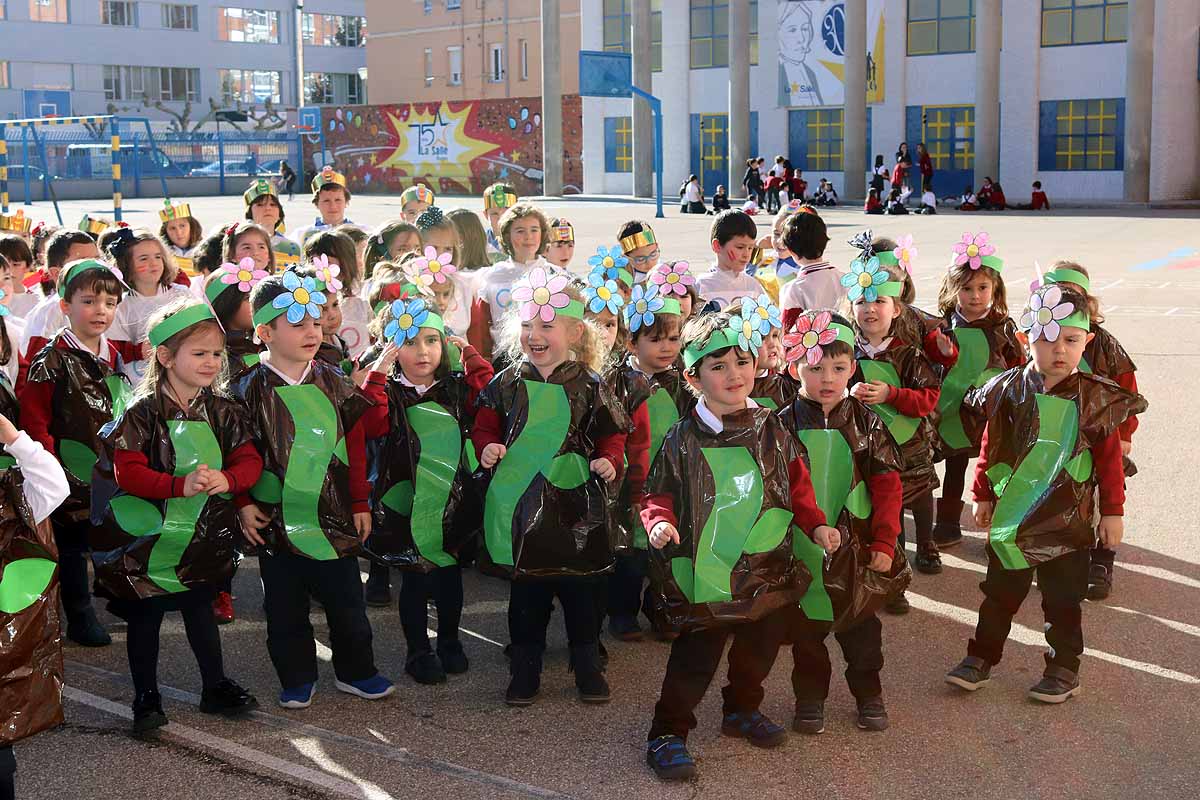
column 752, row 182
column 288, row 176
column 903, row 168
column 693, row 196
column 925, row 165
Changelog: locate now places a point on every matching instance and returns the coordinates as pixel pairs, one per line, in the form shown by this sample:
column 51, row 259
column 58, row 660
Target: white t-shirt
column 495, row 288
column 815, row 286
column 722, row 287
column 23, row 302
column 133, row 313
column 929, row 199
column 45, row 320
column 692, row 193
column 13, row 327
column 356, row 317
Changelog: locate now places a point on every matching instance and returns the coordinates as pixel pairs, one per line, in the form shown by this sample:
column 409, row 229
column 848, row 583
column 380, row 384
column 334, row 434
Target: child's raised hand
column 1111, row 530
column 8, row 431
column 459, row 341
column 983, row 513
column 1126, row 447
column 604, row 469
column 827, row 537
column 362, row 524
column 664, row 533
column 492, row 454
column 387, row 357
column 871, row 393
column 253, row 520
column 880, row 562
column 215, row 482
column 944, row 343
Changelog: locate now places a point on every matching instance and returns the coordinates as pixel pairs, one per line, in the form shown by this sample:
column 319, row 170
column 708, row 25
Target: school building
column 1098, row 99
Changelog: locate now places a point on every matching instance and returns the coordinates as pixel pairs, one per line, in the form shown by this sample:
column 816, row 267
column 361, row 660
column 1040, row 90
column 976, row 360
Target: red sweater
column 37, row 403
column 1127, row 380
column 637, row 453
column 376, row 423
column 1106, row 458
column 934, row 353
column 887, row 497
column 916, row 403
column 489, row 429
column 479, row 331
column 134, row 475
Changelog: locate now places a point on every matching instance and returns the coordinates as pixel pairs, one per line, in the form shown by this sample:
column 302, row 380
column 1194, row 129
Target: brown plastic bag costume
column 146, row 548
column 1039, row 460
column 31, row 664
column 775, row 390
column 732, row 496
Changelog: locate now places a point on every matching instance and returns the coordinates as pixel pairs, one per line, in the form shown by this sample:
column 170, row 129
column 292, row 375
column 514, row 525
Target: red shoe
column 223, row 608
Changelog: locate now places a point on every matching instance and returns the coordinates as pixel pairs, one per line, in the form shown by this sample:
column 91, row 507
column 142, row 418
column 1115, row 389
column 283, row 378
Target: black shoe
column 929, row 562
column 1100, row 582
column 378, row 595
column 810, row 718
column 526, row 671
column 971, row 674
column 148, row 712
column 897, row 605
column 754, row 727
column 86, row 630
column 625, row 629
column 872, row 716
column 947, row 533
column 454, row 660
column 227, row 699
column 589, row 678
column 425, row 668
column 1056, row 686
column 669, row 758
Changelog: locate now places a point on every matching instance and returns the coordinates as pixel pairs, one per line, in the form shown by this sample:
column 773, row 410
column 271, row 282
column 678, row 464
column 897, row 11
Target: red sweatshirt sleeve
column 637, row 453
column 375, row 421
column 612, row 447
column 935, row 354
column 486, row 430
column 479, row 374
column 479, row 331
column 658, row 508
column 129, row 351
column 360, row 487
column 805, row 511
column 1128, row 381
column 243, row 468
column 981, row 488
column 1110, row 475
column 36, row 343
column 134, row 475
column 914, row 402
column 887, row 496
column 36, row 400
column 790, row 315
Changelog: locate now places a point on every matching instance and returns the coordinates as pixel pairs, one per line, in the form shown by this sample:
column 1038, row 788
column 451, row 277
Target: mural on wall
column 456, row 147
column 812, row 55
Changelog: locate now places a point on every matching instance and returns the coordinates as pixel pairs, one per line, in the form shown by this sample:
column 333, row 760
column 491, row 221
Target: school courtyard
column 1125, row 735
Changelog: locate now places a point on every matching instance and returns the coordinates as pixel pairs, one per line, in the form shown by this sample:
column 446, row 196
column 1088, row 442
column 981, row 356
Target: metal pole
column 299, row 21
column 1139, row 100
column 552, row 139
column 220, row 160
column 643, row 151
column 739, row 94
column 656, row 109
column 854, row 128
column 25, row 161
column 116, row 168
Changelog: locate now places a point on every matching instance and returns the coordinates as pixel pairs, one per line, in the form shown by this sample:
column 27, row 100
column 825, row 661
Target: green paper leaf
column 859, row 501
column 969, row 371
column 568, row 471
column 901, row 427
column 469, row 457
column 136, row 516
column 1080, row 467
column 7, row 462
column 441, row 442
column 120, row 392
column 78, row 459
column 766, row 402
column 815, row 604
column 339, row 452
column 251, row 359
column 769, row 532
column 268, row 489
column 832, row 470
column 399, row 498
column 313, row 448
column 23, row 582
column 999, row 475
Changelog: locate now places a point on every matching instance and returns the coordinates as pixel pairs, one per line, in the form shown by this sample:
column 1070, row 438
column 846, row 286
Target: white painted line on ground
column 1161, row 574
column 1028, row 636
column 235, row 750
column 1182, row 627
column 432, row 612
column 1108, row 286
column 313, row 750
column 398, row 755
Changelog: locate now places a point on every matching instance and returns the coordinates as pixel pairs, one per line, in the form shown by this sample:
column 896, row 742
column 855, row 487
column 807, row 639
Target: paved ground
column 1126, row 735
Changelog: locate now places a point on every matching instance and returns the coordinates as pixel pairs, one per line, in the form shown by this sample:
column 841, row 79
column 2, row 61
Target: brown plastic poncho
column 732, row 494
column 1039, row 459
column 775, row 390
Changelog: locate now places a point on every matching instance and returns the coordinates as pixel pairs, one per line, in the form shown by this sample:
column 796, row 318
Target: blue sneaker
column 375, row 687
column 669, row 758
column 756, row 728
column 299, row 697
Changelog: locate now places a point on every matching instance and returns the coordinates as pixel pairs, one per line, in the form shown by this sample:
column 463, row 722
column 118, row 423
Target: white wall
column 1175, row 136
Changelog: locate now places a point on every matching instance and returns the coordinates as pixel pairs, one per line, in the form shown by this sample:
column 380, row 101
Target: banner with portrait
column 812, row 56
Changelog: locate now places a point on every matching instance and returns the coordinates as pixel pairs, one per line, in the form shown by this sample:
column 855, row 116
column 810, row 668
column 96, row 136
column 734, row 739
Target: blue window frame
column 709, row 33
column 1067, row 22
column 618, row 144
column 815, row 139
column 941, row 26
column 618, row 21
column 1079, row 135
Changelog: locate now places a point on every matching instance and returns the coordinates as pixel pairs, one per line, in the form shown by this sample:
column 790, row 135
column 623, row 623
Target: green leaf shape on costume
column 733, row 526
column 901, row 427
column 469, row 457
column 251, row 359
column 7, row 462
column 1085, row 367
column 441, row 442
column 399, row 498
column 23, row 582
column 548, row 419
column 136, row 516
column 313, row 448
column 766, row 402
column 815, row 604
column 832, row 472
column 1058, row 429
column 120, row 392
column 969, row 371
column 268, row 489
column 78, row 459
column 663, row 414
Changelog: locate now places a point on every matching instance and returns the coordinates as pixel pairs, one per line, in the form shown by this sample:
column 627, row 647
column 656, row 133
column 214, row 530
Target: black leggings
column 445, row 585
column 922, row 511
column 956, row 477
column 8, row 769
column 145, row 619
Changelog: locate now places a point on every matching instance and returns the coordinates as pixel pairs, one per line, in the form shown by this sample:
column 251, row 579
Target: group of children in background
column 725, row 451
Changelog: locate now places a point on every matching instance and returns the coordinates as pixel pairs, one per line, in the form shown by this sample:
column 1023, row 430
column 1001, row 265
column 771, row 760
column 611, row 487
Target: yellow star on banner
column 434, row 142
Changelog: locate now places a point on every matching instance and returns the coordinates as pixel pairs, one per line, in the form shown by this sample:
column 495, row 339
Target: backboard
column 603, row 74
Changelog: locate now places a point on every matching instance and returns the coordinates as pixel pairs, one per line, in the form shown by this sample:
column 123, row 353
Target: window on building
column 179, row 17
column 318, row 89
column 1082, row 135
column 496, row 63
column 453, row 5
column 523, row 45
column 709, row 31
column 333, row 30
column 251, row 85
column 51, row 76
column 48, row 11
column 428, row 66
column 3, row 9
column 1084, row 21
column 454, row 66
column 618, row 29
column 169, row 84
column 327, row 88
column 356, row 89
column 248, row 25
column 179, row 84
column 823, row 137
column 121, row 13
column 618, row 144
column 941, row 26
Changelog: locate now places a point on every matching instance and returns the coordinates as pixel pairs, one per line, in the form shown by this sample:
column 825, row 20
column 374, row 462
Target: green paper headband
column 719, row 340
column 670, row 306
column 1077, row 319
column 888, row 259
column 77, row 269
column 1065, row 275
column 995, row 262
column 267, row 314
column 192, row 315
column 844, row 333
column 574, row 310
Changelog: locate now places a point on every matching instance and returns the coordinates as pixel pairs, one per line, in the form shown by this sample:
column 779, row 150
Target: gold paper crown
column 496, row 196
column 176, row 211
column 94, row 225
column 17, row 223
column 417, row 194
column 327, row 176
column 259, row 188
column 562, row 232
